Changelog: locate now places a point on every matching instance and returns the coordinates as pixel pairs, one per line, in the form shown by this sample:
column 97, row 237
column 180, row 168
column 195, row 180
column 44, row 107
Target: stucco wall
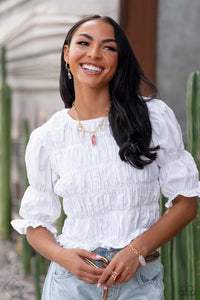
column 33, row 32
column 178, row 51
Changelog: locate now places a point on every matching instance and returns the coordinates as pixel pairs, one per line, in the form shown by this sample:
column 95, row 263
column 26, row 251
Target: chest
column 84, row 168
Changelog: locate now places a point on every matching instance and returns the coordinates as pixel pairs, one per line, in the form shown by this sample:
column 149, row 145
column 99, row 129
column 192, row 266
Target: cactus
column 5, row 194
column 27, row 250
column 193, row 111
column 37, row 276
column 182, row 267
column 61, row 219
column 26, row 256
column 166, row 257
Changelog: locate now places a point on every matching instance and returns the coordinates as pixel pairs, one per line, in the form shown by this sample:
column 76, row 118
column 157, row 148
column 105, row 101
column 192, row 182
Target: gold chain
column 80, row 126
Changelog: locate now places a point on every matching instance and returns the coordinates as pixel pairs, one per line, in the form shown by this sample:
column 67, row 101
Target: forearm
column 43, row 241
column 169, row 225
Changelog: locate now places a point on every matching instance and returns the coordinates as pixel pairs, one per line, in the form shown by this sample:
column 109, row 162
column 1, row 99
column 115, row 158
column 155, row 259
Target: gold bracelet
column 140, row 257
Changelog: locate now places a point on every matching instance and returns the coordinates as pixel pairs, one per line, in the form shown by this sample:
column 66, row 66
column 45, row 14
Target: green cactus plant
column 5, row 146
column 181, row 257
column 61, row 219
column 193, row 114
column 166, row 257
column 27, row 250
column 37, row 276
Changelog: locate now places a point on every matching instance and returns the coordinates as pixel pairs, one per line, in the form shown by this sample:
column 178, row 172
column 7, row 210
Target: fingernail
column 99, row 285
column 98, row 256
column 105, row 288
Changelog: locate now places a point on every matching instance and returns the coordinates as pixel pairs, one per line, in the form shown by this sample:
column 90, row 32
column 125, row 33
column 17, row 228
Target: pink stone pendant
column 93, row 140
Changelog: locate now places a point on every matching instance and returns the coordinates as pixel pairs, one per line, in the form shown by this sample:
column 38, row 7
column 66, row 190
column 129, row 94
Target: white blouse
column 108, row 202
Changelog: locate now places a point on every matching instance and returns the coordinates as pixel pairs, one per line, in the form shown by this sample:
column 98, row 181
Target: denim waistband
column 109, row 254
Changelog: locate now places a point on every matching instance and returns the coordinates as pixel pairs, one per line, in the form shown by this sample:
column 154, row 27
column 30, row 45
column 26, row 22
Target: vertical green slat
column 27, row 250
column 5, row 150
column 193, row 110
column 37, row 276
column 166, row 256
column 61, row 219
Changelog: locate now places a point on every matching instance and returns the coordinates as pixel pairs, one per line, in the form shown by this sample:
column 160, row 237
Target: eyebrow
column 91, row 38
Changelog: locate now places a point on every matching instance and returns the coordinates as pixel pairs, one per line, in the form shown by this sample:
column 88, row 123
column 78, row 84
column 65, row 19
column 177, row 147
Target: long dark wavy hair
column 128, row 116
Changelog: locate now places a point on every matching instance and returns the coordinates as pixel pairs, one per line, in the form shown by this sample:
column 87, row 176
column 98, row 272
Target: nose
column 94, row 52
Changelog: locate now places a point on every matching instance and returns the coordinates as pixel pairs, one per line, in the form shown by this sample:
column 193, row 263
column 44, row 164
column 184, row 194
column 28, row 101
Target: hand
column 124, row 263
column 73, row 261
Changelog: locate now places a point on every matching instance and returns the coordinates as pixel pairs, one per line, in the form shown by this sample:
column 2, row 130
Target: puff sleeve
column 178, row 174
column 40, row 206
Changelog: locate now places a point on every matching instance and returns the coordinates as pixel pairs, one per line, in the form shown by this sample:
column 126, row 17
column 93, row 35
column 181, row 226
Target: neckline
column 83, row 121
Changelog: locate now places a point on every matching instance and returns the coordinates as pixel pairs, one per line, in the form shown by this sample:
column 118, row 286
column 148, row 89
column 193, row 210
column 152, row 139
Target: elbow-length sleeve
column 40, row 206
column 178, row 174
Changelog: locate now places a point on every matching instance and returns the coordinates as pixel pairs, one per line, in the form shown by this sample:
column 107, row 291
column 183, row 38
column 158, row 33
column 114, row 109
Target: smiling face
column 92, row 54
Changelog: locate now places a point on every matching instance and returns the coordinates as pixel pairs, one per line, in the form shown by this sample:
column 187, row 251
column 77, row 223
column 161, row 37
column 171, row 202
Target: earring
column 69, row 71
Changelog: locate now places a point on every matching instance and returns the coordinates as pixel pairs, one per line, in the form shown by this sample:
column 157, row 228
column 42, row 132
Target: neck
column 91, row 103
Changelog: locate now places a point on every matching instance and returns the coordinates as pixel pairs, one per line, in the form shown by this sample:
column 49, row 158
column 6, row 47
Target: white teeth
column 91, row 68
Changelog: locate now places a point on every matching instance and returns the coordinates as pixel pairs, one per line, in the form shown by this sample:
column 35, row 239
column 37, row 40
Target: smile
column 91, row 68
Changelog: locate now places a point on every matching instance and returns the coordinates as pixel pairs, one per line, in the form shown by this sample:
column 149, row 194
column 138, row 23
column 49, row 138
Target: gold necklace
column 80, row 127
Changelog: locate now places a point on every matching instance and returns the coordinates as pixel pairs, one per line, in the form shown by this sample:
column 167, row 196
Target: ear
column 66, row 53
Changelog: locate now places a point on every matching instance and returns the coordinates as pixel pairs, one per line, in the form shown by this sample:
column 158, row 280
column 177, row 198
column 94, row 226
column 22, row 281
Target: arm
column 169, row 225
column 40, row 208
column 44, row 242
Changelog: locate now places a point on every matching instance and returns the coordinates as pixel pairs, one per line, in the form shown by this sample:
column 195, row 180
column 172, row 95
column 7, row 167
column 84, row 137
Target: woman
column 107, row 154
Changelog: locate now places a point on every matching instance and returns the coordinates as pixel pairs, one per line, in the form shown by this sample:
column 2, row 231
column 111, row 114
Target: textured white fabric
column 107, row 202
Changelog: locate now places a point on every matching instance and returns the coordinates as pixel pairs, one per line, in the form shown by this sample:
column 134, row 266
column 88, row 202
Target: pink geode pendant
column 93, row 140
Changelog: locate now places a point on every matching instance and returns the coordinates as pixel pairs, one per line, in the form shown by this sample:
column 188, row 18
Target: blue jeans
column 146, row 284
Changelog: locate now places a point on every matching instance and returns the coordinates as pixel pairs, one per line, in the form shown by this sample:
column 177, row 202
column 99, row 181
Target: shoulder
column 160, row 113
column 157, row 106
column 165, row 127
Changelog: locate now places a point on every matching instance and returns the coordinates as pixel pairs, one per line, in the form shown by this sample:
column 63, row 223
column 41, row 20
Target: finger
column 127, row 278
column 112, row 281
column 91, row 270
column 114, row 264
column 83, row 265
column 88, row 254
column 87, row 277
column 105, row 275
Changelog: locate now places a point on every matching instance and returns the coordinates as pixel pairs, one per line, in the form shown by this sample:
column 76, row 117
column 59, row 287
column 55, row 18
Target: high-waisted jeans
column 146, row 284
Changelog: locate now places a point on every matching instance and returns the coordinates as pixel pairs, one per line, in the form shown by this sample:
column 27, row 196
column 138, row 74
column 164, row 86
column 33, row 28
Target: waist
column 111, row 252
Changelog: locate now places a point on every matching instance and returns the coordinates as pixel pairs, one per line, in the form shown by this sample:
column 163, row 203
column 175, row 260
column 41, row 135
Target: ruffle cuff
column 38, row 208
column 192, row 193
column 21, row 225
column 179, row 177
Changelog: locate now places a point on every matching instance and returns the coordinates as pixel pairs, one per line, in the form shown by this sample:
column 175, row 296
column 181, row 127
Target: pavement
column 13, row 284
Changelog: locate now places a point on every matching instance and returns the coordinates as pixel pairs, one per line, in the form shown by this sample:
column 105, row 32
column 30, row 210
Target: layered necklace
column 81, row 128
